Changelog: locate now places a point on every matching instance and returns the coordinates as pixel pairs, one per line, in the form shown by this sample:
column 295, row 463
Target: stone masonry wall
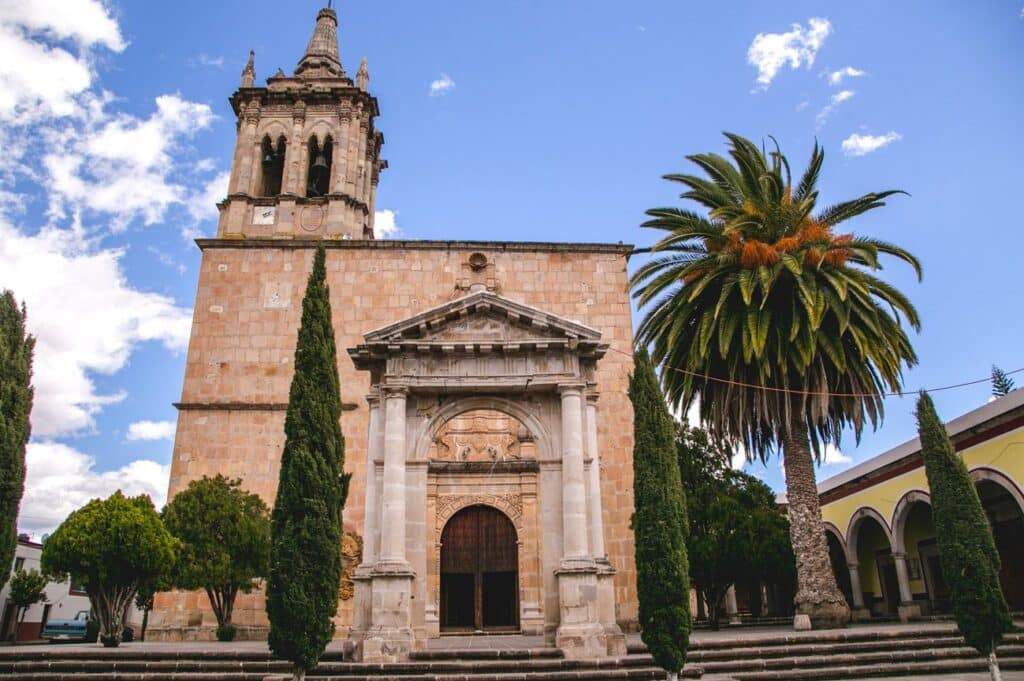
column 247, row 312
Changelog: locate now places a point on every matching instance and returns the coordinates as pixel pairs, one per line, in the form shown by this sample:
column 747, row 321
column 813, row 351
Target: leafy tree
column 659, row 524
column 305, row 554
column 111, row 546
column 27, row 589
column 225, row 542
column 779, row 323
column 737, row 534
column 16, row 349
column 1001, row 383
column 967, row 550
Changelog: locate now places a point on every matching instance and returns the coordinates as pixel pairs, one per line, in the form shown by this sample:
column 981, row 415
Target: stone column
column 363, row 574
column 389, row 638
column 580, row 633
column 731, row 609
column 859, row 613
column 908, row 610
column 605, row 571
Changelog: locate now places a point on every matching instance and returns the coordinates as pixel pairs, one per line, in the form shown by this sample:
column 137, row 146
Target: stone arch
column 461, row 405
column 900, row 515
column 856, row 520
column 448, row 506
column 989, row 474
column 274, row 130
column 830, row 527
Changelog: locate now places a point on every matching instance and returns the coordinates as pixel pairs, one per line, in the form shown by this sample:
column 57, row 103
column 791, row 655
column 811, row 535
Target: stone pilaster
column 362, row 577
column 731, row 608
column 389, row 636
column 605, row 571
column 579, row 633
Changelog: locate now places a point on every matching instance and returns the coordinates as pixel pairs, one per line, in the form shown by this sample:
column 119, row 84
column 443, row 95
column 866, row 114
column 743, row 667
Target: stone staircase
column 855, row 653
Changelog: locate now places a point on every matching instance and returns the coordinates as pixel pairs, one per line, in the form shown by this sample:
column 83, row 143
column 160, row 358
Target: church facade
column 484, row 388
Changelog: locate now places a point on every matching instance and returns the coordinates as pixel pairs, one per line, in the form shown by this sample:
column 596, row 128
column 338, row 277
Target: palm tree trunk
column 817, row 594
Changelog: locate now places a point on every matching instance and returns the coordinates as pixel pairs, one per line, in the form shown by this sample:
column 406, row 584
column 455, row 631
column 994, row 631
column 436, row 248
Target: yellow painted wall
column 1004, row 453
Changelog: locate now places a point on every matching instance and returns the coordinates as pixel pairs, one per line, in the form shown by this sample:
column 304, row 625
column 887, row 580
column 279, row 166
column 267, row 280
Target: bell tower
column 307, row 157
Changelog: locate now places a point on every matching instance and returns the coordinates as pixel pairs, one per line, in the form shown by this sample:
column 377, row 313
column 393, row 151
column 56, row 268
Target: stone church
column 487, row 423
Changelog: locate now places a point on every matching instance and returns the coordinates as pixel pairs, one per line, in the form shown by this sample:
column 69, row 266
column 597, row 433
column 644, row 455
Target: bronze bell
column 269, row 159
column 318, row 171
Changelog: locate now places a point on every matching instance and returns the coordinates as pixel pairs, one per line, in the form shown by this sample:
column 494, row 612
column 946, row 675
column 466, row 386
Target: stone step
column 878, row 671
column 894, row 657
column 486, row 654
column 823, row 649
column 534, row 665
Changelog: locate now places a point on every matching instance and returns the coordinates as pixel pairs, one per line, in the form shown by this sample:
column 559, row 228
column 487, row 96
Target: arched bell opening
column 479, row 572
column 318, row 174
column 272, row 165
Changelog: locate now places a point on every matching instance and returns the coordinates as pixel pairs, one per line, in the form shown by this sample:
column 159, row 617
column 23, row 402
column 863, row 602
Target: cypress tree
column 305, row 553
column 16, row 348
column 967, row 550
column 659, row 523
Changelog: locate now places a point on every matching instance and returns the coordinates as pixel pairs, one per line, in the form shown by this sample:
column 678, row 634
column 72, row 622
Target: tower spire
column 249, row 72
column 321, row 59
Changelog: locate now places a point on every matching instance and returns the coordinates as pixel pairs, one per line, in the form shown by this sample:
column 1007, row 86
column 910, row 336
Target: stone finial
column 363, row 76
column 322, row 59
column 249, row 72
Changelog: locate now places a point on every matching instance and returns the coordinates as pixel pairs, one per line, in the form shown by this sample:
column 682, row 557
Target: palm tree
column 778, row 324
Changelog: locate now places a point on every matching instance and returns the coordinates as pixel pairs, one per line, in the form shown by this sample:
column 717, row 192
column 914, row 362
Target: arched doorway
column 837, row 557
column 1007, row 522
column 869, row 543
column 479, row 572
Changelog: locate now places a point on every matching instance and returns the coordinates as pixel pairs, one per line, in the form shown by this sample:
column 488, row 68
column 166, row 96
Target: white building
column 63, row 600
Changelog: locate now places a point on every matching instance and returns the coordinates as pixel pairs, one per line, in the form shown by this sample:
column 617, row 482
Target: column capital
column 592, row 397
column 373, row 398
column 394, row 391
column 571, row 389
column 896, row 555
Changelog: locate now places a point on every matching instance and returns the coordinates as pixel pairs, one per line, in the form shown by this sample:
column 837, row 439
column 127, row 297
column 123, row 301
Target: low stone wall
column 205, row 633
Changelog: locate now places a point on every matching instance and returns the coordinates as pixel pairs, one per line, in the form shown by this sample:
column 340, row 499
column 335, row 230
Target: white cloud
column 802, row 105
column 86, row 317
column 833, row 457
column 860, row 145
column 385, row 224
column 203, row 205
column 39, row 79
column 87, row 22
column 121, row 165
column 836, row 77
column 836, row 99
column 61, row 479
column 151, row 430
column 770, row 52
column 204, row 59
column 442, row 85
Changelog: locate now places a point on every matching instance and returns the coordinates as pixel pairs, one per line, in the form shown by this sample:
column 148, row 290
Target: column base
column 909, row 612
column 606, row 609
column 580, row 633
column 388, row 636
column 860, row 615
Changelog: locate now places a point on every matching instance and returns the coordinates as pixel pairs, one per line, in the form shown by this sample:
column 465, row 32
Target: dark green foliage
column 737, row 533
column 970, row 561
column 112, row 547
column 305, row 555
column 27, row 589
column 225, row 540
column 16, row 348
column 1001, row 383
column 659, row 523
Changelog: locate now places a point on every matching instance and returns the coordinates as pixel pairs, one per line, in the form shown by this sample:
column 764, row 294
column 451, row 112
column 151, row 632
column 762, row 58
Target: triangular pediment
column 482, row 317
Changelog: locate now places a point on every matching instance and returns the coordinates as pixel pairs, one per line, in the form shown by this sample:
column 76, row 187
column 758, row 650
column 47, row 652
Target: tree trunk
column 672, row 676
column 701, row 612
column 298, row 673
column 145, row 623
column 993, row 667
column 21, row 621
column 817, row 594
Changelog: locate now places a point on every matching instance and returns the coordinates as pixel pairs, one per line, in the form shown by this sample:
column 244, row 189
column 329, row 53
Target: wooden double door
column 479, row 572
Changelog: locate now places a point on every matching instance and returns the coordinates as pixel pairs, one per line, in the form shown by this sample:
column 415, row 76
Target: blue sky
column 526, row 120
